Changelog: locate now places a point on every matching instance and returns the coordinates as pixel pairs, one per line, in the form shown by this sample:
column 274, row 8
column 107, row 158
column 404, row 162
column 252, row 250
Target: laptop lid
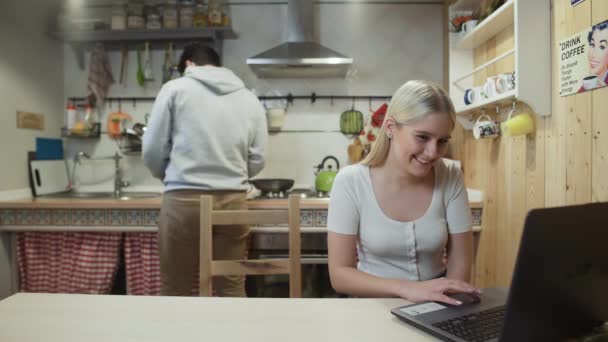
column 560, row 284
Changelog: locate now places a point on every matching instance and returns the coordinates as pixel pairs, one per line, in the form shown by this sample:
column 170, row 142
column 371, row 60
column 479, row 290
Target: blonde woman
column 392, row 216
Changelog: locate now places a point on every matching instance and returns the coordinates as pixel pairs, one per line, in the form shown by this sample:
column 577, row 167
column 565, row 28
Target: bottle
column 200, row 15
column 70, row 115
column 89, row 116
column 186, row 13
column 169, row 14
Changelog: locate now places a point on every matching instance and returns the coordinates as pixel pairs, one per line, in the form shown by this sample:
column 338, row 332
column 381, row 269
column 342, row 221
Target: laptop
column 559, row 287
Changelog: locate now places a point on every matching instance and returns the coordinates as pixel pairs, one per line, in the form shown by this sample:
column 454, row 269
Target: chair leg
column 206, row 247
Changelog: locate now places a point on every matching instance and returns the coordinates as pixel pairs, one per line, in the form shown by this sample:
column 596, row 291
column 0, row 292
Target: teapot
column 325, row 176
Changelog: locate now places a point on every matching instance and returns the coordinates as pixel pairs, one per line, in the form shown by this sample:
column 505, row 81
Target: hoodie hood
column 218, row 79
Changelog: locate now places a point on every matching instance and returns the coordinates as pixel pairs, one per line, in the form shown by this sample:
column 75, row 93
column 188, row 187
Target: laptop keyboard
column 475, row 327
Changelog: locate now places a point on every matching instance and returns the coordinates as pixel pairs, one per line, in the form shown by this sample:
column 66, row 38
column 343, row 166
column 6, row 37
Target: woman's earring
column 390, row 136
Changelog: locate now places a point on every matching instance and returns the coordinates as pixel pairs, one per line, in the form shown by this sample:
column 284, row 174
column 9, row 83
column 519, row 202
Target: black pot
column 272, row 184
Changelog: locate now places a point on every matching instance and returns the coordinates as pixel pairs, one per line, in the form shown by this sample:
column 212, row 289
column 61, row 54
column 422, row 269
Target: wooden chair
column 217, row 218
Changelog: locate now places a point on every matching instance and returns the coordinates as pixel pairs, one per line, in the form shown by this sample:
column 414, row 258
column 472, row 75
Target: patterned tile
column 97, row 217
column 307, row 217
column 25, row 217
column 134, row 217
column 79, row 217
column 115, row 217
column 321, row 218
column 151, row 217
column 42, row 217
column 7, row 216
column 60, row 217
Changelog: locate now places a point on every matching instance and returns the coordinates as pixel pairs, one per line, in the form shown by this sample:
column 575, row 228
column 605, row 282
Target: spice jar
column 135, row 15
column 215, row 13
column 119, row 16
column 186, row 13
column 170, row 14
column 200, row 15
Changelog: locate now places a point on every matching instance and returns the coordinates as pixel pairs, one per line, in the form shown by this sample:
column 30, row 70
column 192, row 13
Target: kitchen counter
column 70, row 317
column 153, row 203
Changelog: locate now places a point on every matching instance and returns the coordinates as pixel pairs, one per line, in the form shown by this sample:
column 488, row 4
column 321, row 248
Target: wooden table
column 68, row 317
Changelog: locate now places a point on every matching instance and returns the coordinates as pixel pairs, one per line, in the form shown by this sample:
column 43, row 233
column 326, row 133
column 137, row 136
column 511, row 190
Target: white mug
column 591, row 82
column 485, row 129
column 470, row 96
column 469, row 26
column 490, row 87
column 505, row 82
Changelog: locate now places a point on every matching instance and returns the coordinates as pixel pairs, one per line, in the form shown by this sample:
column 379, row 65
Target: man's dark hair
column 199, row 54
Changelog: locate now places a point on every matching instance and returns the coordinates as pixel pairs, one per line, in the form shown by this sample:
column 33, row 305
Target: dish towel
column 100, row 75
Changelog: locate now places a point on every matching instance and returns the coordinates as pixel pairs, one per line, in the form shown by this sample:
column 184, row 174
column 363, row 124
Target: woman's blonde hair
column 412, row 101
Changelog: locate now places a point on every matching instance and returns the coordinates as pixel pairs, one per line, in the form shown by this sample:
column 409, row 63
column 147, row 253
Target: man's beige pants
column 179, row 241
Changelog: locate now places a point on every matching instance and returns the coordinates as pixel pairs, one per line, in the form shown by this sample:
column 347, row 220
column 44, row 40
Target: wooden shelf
column 500, row 99
column 490, row 27
column 79, row 39
column 211, row 33
column 529, row 22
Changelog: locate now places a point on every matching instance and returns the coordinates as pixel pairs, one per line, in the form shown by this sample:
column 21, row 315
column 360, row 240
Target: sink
column 101, row 195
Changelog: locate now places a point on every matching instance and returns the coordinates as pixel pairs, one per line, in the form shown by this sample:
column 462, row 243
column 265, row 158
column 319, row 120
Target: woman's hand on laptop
column 436, row 290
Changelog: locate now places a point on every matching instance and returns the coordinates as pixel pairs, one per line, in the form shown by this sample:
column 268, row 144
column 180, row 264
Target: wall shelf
column 531, row 50
column 497, row 100
column 490, row 27
column 80, row 39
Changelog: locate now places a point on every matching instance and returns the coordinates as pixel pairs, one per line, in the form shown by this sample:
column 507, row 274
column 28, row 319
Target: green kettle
column 325, row 176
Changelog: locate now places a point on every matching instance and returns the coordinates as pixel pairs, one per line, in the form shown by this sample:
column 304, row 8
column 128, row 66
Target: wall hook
column 353, row 103
column 313, row 97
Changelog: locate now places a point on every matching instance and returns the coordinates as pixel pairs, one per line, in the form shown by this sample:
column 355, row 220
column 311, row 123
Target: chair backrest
column 217, row 218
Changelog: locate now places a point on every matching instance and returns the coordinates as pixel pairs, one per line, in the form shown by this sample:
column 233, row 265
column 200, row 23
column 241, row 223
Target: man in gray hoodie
column 206, row 135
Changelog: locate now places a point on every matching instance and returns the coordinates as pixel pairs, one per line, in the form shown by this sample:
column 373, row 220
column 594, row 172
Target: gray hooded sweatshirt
column 206, row 131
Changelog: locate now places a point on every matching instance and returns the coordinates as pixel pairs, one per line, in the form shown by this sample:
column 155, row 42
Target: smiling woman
column 392, row 217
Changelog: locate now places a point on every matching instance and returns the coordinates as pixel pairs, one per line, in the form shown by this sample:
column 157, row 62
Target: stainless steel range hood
column 300, row 56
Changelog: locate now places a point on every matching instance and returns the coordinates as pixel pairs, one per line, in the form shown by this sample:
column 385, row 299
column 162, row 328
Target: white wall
column 30, row 80
column 390, row 43
column 31, row 76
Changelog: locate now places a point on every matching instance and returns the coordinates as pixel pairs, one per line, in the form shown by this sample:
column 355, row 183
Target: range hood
column 300, row 56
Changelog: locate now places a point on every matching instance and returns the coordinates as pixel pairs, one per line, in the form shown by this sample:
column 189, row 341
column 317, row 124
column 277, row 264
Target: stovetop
column 304, row 193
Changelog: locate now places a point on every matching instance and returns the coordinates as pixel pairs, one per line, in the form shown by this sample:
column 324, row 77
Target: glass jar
column 153, row 22
column 200, row 15
column 186, row 13
column 215, row 13
column 135, row 16
column 169, row 14
column 119, row 16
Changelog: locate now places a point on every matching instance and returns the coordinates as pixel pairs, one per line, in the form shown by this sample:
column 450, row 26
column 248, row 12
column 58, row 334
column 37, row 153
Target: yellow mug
column 520, row 124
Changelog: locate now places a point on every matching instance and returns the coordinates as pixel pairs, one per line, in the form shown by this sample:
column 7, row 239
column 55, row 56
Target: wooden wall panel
column 599, row 156
column 564, row 162
column 555, row 125
column 578, row 125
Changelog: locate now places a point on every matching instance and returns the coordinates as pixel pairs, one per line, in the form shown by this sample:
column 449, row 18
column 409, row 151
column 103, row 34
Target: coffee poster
column 583, row 60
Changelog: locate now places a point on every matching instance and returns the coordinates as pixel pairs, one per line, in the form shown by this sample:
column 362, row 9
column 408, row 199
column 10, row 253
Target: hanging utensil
column 148, row 74
column 141, row 80
column 123, row 63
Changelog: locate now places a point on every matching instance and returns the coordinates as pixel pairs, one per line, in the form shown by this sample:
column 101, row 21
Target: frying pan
column 272, row 184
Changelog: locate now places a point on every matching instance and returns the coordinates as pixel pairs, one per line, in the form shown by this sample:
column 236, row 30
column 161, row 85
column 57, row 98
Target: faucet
column 119, row 183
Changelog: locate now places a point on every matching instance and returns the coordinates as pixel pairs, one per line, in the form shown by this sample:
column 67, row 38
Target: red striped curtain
column 62, row 262
column 142, row 265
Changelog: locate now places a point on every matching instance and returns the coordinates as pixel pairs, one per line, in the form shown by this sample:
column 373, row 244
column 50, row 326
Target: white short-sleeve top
column 394, row 249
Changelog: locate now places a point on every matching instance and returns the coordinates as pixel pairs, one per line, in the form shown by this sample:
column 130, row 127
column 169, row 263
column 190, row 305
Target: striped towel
column 100, row 75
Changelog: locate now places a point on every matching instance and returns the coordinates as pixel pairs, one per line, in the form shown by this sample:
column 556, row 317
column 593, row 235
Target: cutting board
column 49, row 176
